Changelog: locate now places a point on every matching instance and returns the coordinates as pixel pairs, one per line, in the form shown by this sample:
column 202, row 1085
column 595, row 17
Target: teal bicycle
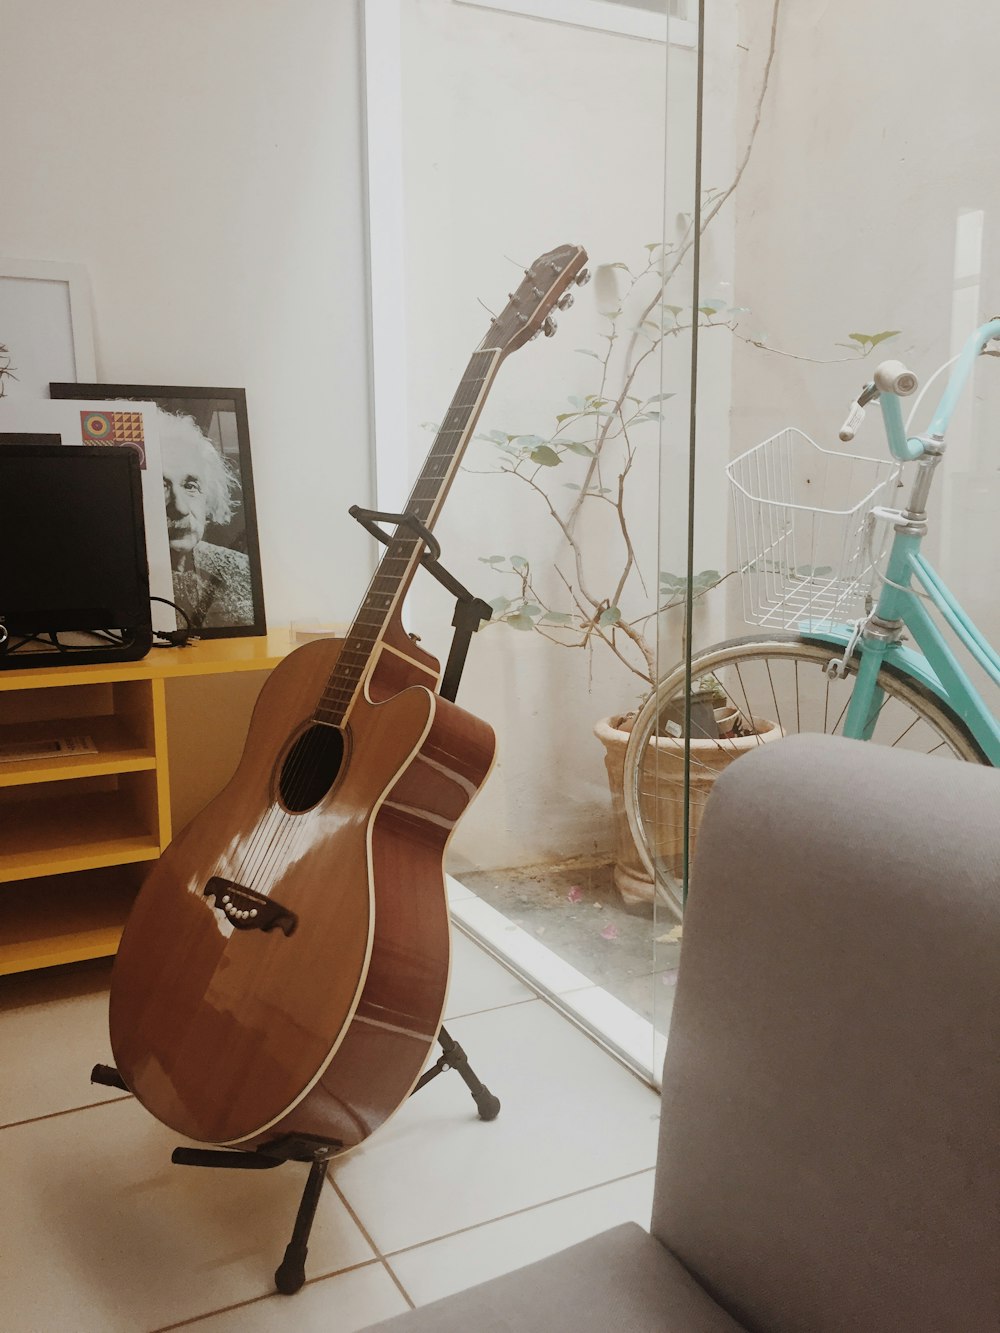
column 856, row 618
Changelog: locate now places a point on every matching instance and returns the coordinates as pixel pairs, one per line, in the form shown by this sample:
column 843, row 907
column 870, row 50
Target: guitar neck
column 402, row 555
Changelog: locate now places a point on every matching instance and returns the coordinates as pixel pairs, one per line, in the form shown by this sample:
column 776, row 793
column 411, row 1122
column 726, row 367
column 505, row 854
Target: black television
column 74, row 582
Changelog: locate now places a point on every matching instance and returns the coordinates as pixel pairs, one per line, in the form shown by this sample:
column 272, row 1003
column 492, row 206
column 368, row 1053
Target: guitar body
column 240, row 1035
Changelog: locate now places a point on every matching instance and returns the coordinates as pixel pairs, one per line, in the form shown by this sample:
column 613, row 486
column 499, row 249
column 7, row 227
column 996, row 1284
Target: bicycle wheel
column 778, row 685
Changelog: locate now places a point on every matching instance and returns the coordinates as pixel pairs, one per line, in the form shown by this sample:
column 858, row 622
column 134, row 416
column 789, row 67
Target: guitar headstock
column 545, row 288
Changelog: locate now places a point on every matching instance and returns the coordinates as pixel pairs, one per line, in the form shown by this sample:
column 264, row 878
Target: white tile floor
column 98, row 1231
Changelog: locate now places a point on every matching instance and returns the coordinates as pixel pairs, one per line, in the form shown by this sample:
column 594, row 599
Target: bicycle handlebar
column 893, row 381
column 963, row 369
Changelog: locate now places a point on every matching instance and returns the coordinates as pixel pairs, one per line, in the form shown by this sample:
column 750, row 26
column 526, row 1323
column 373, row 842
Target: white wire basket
column 807, row 551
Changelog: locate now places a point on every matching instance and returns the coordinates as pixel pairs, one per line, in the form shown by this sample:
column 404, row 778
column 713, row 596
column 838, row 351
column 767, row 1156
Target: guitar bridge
column 247, row 909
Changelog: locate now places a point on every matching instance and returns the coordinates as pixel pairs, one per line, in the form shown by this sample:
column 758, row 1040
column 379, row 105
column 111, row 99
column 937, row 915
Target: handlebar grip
column 850, row 427
column 893, row 377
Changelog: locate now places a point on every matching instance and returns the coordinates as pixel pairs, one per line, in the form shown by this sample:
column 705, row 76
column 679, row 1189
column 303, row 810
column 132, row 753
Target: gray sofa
column 829, row 1157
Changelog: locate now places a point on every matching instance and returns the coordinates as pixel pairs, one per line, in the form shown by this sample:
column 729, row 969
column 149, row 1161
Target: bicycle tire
column 660, row 802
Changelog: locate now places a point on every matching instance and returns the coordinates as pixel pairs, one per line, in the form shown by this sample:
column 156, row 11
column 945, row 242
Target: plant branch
column 687, row 242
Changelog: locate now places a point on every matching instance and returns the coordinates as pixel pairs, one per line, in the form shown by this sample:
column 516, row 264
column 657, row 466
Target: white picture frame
column 46, row 322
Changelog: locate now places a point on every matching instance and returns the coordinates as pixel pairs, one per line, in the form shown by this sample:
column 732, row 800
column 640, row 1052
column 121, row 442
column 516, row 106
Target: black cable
column 174, row 638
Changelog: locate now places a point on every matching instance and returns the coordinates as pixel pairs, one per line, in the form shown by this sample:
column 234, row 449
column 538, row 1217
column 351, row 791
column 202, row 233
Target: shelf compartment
column 64, row 918
column 118, row 750
column 120, row 717
column 55, row 834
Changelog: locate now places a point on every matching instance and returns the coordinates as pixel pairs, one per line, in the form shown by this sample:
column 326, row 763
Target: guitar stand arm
column 471, row 612
column 370, row 519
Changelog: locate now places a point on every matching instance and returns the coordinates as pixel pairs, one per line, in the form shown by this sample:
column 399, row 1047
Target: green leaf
column 567, row 416
column 578, row 447
column 499, row 605
column 545, row 456
column 859, row 337
column 529, row 441
column 557, row 618
column 576, row 401
column 660, row 397
column 675, row 310
column 492, row 559
column 877, row 338
column 518, row 562
column 609, row 617
column 585, row 351
column 519, row 621
column 571, row 485
column 531, row 609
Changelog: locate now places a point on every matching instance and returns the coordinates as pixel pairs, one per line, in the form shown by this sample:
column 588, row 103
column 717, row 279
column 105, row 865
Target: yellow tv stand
column 77, row 829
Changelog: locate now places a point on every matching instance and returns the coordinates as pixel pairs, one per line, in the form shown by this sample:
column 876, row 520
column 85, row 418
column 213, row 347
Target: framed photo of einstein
column 209, row 501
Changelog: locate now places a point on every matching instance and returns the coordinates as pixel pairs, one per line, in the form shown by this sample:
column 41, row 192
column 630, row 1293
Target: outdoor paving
column 574, row 909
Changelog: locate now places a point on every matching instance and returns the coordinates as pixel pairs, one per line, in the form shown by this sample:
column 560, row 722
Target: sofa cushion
column 621, row 1279
column 829, row 1157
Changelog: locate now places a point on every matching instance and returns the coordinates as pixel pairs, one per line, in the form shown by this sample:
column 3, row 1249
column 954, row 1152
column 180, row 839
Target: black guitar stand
column 470, row 613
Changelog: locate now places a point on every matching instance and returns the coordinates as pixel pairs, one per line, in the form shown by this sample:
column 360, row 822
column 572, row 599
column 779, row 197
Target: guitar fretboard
column 397, row 566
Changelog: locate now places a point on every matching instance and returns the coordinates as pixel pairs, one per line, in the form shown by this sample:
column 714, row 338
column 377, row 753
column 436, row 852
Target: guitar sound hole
column 311, row 767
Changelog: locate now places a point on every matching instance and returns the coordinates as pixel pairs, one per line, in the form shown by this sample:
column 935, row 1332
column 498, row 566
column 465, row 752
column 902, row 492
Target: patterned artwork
column 114, row 428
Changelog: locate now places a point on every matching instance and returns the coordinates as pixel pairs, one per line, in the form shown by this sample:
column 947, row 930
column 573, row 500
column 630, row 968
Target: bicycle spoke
column 905, row 732
column 750, row 719
column 777, row 710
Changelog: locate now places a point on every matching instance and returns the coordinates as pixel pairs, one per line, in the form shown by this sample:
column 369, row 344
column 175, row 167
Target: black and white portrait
column 208, row 499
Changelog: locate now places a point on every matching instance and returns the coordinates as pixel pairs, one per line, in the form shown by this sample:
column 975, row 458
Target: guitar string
column 280, row 833
column 292, row 828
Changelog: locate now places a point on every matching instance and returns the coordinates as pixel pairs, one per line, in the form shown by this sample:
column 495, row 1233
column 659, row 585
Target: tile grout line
column 646, row 1075
column 255, row 1300
column 368, row 1237
column 501, row 1217
column 69, row 1110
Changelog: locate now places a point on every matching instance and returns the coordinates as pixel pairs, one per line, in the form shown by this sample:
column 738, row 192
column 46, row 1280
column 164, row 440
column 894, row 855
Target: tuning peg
column 583, row 277
column 565, row 301
column 549, row 326
column 537, row 334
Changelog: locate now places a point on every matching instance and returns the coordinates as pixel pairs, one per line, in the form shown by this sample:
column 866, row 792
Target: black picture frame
column 223, row 597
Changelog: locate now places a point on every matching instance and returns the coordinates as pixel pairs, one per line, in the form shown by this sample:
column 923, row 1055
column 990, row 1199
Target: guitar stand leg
column 454, row 1057
column 291, row 1272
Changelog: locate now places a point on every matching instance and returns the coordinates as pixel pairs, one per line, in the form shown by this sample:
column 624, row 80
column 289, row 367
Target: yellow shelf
column 74, row 831
column 70, row 833
column 117, row 751
column 63, row 920
column 210, row 657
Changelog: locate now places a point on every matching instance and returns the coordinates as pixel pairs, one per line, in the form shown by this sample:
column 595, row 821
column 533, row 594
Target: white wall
column 877, row 139
column 204, row 161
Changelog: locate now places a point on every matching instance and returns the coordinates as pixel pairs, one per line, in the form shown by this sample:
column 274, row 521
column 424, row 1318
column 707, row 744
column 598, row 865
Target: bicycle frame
column 901, row 604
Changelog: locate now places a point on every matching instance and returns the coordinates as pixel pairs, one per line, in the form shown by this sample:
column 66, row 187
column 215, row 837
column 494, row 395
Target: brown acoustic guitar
column 285, row 966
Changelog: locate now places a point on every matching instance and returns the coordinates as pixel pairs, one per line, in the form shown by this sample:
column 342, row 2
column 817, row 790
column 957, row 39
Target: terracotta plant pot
column 662, row 799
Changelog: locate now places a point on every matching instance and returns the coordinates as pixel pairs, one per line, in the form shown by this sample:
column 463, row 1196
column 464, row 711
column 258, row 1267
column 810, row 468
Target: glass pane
column 520, row 134
column 844, row 223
